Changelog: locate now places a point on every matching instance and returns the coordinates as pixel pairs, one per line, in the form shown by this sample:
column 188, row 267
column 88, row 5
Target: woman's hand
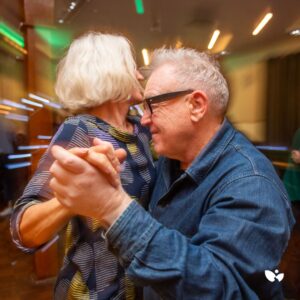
column 103, row 157
column 84, row 189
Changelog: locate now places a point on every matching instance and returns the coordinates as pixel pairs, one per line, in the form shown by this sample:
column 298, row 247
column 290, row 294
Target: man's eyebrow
column 151, row 95
column 148, row 96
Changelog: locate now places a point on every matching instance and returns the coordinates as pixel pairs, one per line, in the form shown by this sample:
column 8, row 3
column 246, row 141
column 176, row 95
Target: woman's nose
column 146, row 118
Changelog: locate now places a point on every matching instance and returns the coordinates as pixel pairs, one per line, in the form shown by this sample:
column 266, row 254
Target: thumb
column 80, row 152
column 68, row 160
column 121, row 155
column 97, row 141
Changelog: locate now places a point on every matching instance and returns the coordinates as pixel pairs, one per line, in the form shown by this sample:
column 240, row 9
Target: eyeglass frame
column 163, row 97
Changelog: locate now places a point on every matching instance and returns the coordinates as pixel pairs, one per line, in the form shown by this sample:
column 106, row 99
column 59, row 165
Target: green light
column 55, row 38
column 139, row 6
column 11, row 34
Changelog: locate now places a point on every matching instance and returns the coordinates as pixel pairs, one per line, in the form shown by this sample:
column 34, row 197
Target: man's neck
column 204, row 135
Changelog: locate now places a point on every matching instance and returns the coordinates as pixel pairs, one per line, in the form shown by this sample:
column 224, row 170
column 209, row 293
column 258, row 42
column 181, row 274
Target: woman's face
column 137, row 95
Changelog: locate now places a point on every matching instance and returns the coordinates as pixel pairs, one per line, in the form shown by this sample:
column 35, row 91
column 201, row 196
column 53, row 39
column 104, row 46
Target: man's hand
column 84, row 189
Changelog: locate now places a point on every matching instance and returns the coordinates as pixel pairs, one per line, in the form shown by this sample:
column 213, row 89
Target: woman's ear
column 198, row 105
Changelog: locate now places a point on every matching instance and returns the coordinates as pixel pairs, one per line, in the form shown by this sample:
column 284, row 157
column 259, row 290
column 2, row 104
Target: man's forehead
column 161, row 80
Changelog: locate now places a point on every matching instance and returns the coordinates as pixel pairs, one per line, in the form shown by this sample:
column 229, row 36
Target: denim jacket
column 212, row 232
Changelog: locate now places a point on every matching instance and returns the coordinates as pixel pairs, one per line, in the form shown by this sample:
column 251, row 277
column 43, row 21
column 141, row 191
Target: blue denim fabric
column 211, row 233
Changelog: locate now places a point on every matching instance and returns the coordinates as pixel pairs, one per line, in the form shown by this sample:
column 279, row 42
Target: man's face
column 169, row 122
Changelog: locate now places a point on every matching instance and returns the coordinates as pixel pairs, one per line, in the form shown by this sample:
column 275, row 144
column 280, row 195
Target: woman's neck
column 114, row 113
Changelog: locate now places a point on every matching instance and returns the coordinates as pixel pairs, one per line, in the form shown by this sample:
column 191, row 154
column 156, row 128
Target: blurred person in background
column 11, row 181
column 7, row 141
column 291, row 260
column 97, row 81
column 219, row 215
column 292, row 175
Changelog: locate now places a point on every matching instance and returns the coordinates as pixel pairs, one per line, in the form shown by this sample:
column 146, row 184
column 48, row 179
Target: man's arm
column 240, row 235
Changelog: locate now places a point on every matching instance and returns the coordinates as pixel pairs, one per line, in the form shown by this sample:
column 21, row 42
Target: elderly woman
column 97, row 81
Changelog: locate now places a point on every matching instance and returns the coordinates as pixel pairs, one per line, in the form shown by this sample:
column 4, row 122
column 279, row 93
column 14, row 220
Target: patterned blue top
column 90, row 270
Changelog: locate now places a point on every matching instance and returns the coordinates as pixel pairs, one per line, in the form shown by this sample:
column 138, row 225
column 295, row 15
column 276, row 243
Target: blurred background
column 257, row 43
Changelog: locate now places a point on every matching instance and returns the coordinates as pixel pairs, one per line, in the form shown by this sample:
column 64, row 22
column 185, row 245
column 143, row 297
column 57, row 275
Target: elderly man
column 219, row 215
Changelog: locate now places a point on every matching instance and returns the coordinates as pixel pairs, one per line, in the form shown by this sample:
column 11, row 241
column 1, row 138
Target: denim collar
column 205, row 160
column 211, row 152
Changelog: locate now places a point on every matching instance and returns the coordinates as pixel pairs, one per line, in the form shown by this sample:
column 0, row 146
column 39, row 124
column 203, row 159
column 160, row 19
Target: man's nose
column 146, row 118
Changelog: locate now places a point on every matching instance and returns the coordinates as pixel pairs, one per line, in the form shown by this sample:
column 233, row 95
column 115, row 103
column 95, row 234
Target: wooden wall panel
column 39, row 12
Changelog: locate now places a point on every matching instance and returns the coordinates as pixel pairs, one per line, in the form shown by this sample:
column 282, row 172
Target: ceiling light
column 33, row 96
column 17, row 117
column 213, row 39
column 54, row 105
column 16, row 105
column 3, row 112
column 44, row 137
column 18, row 156
column 262, row 23
column 139, row 7
column 13, row 44
column 5, row 107
column 11, row 34
column 32, row 147
column 295, row 32
column 224, row 52
column 294, row 29
column 145, row 57
column 26, row 101
column 18, row 165
column 178, row 44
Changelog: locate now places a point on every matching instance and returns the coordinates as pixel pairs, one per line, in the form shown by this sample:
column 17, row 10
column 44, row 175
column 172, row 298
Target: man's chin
column 158, row 149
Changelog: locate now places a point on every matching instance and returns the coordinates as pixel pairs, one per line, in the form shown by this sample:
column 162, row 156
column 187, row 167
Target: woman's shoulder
column 77, row 119
column 83, row 121
column 74, row 126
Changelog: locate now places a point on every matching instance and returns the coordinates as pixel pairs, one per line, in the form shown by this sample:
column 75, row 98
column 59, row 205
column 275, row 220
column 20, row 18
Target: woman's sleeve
column 72, row 133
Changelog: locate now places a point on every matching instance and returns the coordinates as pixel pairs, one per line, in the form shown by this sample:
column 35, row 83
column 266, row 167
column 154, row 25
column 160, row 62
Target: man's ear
column 198, row 105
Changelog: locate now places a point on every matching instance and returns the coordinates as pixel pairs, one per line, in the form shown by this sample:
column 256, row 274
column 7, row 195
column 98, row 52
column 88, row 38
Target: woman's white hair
column 97, row 68
column 195, row 70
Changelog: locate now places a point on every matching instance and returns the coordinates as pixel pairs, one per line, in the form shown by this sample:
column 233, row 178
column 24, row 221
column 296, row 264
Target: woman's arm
column 41, row 222
column 37, row 215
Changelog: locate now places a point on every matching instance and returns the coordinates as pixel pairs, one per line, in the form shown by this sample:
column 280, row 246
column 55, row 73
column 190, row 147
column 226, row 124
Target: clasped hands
column 87, row 181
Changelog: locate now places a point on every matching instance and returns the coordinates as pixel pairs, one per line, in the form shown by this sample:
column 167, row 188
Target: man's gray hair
column 195, row 70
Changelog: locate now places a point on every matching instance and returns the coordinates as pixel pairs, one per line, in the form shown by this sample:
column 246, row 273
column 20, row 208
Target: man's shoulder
column 242, row 159
column 245, row 154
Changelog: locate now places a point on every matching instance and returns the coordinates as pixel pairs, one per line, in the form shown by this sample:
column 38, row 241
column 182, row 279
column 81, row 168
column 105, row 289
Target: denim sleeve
column 243, row 232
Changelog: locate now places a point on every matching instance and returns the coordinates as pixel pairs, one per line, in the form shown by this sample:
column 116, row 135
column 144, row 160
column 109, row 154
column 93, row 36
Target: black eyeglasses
column 163, row 97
